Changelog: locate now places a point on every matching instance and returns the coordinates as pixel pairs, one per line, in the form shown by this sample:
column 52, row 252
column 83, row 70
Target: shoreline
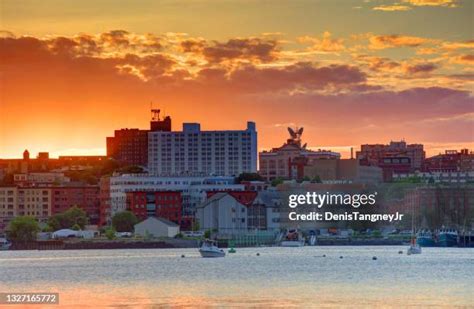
column 178, row 244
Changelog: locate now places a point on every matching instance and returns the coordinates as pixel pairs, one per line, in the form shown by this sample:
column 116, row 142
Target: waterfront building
column 163, row 204
column 156, row 227
column 130, row 146
column 224, row 213
column 396, row 157
column 84, row 197
column 192, row 152
column 193, row 191
column 8, row 205
column 43, row 202
column 264, row 212
column 288, row 161
column 343, row 171
column 104, row 201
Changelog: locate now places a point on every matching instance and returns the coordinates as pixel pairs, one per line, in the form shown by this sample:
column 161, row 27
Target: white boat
column 4, row 244
column 293, row 238
column 414, row 249
column 414, row 246
column 209, row 249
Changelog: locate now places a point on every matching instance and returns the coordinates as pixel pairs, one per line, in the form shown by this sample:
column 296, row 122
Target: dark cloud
column 254, row 49
column 421, row 68
column 300, row 75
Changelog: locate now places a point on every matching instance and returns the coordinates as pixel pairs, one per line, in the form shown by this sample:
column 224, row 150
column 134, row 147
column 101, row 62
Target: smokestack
column 352, row 152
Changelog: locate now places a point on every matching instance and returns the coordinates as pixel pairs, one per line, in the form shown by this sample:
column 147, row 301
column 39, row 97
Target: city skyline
column 351, row 72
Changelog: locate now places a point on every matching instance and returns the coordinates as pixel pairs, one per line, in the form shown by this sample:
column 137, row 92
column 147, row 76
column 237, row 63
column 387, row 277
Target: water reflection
column 279, row 277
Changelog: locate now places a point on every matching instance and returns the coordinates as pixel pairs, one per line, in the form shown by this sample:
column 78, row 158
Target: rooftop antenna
column 155, row 113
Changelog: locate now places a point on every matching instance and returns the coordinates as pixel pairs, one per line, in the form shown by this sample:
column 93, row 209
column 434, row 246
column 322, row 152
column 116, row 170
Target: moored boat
column 414, row 247
column 4, row 244
column 209, row 249
column 293, row 238
column 447, row 237
column 424, row 238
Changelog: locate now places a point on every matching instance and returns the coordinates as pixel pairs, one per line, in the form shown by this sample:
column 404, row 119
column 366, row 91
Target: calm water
column 279, row 277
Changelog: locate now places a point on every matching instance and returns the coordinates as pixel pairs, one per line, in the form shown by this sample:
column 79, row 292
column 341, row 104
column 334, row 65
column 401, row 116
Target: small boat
column 425, row 238
column 209, row 249
column 447, row 237
column 4, row 244
column 414, row 247
column 293, row 238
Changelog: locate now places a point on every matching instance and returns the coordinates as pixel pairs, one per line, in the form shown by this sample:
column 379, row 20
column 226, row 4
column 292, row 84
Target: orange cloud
column 394, row 40
column 391, row 8
column 446, row 3
column 325, row 44
column 463, row 59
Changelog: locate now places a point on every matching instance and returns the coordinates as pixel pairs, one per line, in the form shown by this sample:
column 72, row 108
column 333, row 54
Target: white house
column 224, row 213
column 156, row 227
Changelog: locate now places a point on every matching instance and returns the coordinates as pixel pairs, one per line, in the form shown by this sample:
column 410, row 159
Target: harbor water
column 262, row 277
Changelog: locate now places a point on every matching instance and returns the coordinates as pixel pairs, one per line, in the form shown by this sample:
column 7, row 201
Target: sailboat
column 414, row 246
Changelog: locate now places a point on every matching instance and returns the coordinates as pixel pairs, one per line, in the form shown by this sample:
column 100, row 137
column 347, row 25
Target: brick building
column 130, row 146
column 450, row 161
column 162, row 204
column 84, row 197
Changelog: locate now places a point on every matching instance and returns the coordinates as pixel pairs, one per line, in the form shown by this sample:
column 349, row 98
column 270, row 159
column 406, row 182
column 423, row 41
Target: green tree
column 124, row 221
column 73, row 216
column 248, row 177
column 131, row 169
column 23, row 228
column 110, row 233
column 68, row 219
column 305, row 178
column 316, row 179
column 276, row 182
column 54, row 222
column 109, row 167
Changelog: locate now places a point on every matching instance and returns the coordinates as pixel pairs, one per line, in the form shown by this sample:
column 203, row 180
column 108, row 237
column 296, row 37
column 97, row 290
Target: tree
column 23, row 228
column 316, row 179
column 248, row 177
column 305, row 178
column 74, row 216
column 276, row 182
column 131, row 169
column 110, row 233
column 54, row 222
column 124, row 221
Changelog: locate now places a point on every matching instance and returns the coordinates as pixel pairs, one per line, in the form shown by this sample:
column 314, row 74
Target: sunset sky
column 349, row 72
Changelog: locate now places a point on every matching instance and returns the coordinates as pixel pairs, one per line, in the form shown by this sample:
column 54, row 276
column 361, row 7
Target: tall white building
column 196, row 152
column 193, row 189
